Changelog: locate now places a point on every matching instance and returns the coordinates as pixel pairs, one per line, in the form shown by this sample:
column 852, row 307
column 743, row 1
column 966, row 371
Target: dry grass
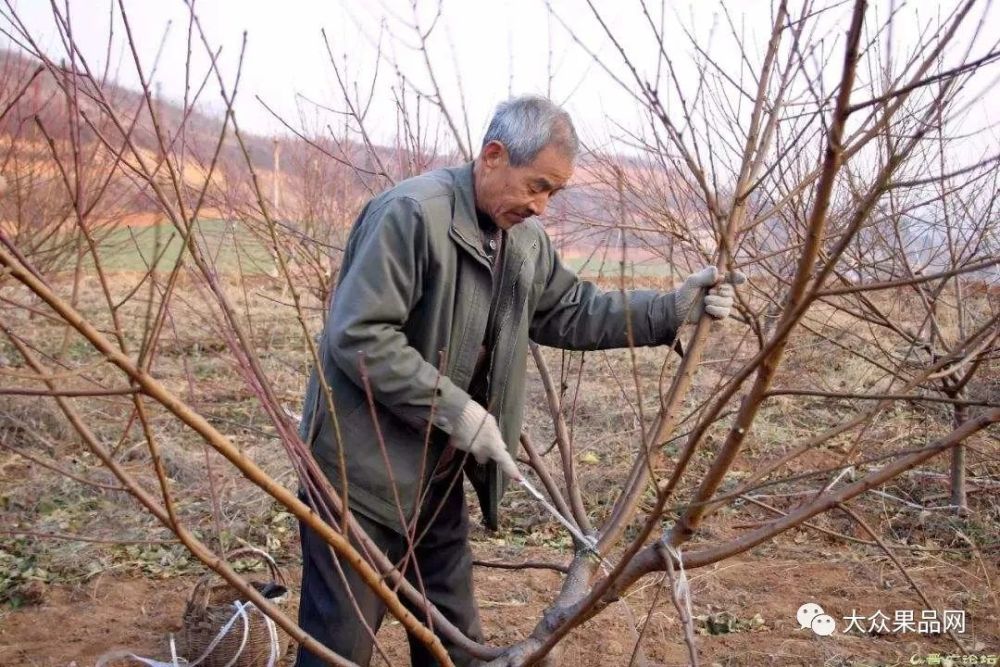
column 195, row 363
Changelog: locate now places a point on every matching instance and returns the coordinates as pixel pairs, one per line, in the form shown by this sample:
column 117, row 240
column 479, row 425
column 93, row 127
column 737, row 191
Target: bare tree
column 815, row 185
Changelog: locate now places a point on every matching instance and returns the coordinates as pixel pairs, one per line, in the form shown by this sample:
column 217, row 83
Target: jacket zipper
column 510, row 356
column 496, row 335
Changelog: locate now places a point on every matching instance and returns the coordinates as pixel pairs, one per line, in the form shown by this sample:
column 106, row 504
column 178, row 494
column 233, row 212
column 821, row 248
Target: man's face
column 510, row 195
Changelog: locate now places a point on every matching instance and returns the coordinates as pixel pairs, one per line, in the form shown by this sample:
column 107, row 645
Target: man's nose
column 537, row 204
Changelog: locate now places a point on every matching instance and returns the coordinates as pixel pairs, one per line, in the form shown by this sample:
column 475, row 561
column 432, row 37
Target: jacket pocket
column 379, row 482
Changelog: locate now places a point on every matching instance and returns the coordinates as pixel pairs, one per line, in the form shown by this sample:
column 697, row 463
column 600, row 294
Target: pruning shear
column 588, row 541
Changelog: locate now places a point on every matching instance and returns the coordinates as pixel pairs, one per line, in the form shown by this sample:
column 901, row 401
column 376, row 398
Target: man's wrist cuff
column 448, row 407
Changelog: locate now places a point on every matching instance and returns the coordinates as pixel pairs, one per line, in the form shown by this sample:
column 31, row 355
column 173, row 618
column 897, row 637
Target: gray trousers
column 444, row 561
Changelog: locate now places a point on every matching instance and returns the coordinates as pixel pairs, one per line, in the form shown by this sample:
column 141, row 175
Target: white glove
column 476, row 431
column 691, row 300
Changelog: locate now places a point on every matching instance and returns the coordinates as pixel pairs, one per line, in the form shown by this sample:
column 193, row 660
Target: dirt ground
column 76, row 625
column 65, row 602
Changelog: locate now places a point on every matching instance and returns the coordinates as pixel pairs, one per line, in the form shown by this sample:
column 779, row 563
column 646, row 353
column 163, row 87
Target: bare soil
column 63, row 601
column 76, row 625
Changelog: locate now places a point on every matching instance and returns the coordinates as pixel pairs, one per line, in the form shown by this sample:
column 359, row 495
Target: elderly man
column 445, row 278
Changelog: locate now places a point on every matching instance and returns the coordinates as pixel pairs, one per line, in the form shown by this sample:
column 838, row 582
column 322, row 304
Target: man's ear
column 495, row 154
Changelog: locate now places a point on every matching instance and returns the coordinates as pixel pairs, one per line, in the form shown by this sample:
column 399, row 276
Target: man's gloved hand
column 691, row 297
column 476, row 431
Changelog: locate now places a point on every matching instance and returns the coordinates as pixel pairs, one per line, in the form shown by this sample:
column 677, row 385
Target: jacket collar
column 465, row 228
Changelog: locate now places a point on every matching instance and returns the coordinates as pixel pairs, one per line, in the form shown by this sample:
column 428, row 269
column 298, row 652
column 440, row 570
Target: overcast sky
column 493, row 47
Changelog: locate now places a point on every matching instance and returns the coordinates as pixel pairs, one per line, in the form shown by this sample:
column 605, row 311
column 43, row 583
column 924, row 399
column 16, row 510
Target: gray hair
column 527, row 124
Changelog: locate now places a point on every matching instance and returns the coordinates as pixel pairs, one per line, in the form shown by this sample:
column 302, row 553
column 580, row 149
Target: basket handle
column 276, row 572
column 200, row 593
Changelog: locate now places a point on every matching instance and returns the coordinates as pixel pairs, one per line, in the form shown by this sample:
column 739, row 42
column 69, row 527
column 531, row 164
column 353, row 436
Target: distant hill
column 582, row 220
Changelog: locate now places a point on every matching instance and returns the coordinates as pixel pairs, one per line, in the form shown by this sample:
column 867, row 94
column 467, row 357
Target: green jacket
column 413, row 296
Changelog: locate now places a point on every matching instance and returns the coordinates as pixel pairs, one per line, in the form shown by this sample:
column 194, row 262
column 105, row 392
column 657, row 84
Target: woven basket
column 211, row 607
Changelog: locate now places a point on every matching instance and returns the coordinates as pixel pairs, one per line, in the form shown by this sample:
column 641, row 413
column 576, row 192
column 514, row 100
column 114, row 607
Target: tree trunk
column 958, row 495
